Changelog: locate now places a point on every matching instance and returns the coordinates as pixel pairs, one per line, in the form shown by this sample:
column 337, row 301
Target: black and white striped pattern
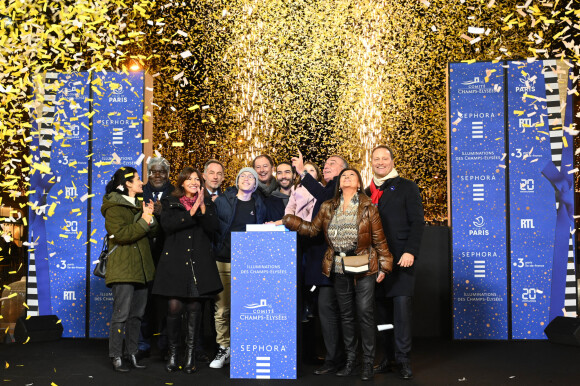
column 31, row 285
column 45, row 142
column 555, row 121
column 554, row 113
column 571, row 297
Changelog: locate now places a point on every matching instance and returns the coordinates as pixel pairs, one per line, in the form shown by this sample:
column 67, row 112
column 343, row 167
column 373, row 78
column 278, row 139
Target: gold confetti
column 321, row 77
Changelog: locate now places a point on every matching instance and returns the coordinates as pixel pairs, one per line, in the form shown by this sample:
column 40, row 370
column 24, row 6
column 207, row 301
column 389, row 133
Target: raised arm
column 318, row 191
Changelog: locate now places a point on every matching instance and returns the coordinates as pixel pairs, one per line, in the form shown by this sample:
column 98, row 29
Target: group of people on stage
column 176, row 244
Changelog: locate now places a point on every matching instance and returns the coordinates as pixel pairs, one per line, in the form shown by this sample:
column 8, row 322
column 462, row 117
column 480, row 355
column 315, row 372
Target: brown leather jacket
column 370, row 234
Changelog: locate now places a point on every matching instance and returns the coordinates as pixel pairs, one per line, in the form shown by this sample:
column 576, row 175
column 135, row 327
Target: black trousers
column 357, row 298
column 129, row 301
column 397, row 342
column 329, row 315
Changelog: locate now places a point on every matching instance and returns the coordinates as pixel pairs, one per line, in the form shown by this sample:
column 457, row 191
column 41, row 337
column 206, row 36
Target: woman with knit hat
column 238, row 206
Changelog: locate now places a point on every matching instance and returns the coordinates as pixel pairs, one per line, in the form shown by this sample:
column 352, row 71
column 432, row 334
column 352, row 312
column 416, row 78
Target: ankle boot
column 135, row 363
column 192, row 323
column 173, row 326
column 119, row 365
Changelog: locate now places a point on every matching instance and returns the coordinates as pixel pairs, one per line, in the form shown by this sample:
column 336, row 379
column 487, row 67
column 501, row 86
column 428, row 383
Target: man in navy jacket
column 401, row 211
column 237, row 207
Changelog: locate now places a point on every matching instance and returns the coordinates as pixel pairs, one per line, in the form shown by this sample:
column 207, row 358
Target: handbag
column 355, row 264
column 101, row 267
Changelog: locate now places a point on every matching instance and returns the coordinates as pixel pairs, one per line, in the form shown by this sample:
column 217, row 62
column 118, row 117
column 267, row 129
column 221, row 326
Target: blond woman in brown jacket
column 352, row 226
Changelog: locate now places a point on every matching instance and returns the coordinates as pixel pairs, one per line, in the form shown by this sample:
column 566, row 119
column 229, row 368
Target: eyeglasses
column 247, row 177
column 160, row 172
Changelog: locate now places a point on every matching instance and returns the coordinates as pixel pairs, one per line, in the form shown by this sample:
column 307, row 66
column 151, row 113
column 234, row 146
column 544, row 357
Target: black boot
column 348, row 369
column 367, row 372
column 134, row 363
column 192, row 323
column 173, row 326
column 118, row 365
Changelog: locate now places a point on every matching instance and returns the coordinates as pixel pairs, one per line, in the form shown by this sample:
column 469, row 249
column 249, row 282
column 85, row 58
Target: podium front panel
column 263, row 310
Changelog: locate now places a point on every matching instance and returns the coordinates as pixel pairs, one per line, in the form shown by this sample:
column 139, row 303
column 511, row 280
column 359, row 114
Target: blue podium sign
column 263, row 309
column 478, row 203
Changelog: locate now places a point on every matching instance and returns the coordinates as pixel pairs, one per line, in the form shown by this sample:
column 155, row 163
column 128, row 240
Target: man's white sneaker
column 222, row 358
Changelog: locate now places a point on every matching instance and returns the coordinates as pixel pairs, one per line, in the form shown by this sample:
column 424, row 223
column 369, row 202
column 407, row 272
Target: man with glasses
column 238, row 206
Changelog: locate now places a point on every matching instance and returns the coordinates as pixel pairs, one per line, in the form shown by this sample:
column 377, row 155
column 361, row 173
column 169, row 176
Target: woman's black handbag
column 101, row 267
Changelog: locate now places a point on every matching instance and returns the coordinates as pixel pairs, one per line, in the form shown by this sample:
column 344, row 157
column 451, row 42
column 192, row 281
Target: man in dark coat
column 157, row 187
column 401, row 211
column 213, row 176
column 328, row 310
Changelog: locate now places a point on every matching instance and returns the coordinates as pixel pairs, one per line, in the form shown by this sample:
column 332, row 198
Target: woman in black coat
column 187, row 273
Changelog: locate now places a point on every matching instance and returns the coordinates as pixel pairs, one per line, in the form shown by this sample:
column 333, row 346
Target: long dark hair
column 118, row 182
column 318, row 174
column 338, row 191
column 184, row 175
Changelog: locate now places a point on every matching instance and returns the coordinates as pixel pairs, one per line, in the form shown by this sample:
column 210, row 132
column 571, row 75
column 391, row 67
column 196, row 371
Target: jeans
column 129, row 301
column 357, row 298
column 223, row 304
column 146, row 330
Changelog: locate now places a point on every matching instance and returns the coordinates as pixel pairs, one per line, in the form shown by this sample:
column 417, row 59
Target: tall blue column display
column 539, row 162
column 117, row 134
column 532, row 136
column 263, row 311
column 58, row 227
column 478, row 203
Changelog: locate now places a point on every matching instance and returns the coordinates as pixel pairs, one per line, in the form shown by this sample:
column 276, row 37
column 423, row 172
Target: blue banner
column 58, row 226
column 263, row 309
column 116, row 141
column 478, row 202
column 532, row 198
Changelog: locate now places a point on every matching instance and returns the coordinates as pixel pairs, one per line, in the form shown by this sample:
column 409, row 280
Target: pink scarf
column 188, row 202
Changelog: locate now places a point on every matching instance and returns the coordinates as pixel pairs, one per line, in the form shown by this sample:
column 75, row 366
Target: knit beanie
column 251, row 170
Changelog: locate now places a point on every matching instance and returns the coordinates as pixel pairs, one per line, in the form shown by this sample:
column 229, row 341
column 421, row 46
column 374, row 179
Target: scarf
column 268, row 189
column 151, row 193
column 376, row 193
column 187, row 201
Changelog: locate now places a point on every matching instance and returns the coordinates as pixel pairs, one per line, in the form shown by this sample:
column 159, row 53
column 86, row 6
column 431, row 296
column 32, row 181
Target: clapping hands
column 148, row 209
column 199, row 204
